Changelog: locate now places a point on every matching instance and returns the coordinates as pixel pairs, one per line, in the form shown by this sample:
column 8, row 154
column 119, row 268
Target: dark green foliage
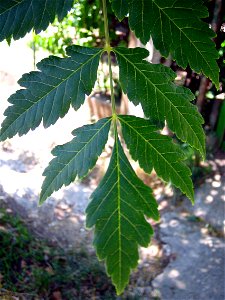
column 152, row 86
column 120, row 7
column 157, row 151
column 220, row 130
column 176, row 29
column 117, row 210
column 18, row 17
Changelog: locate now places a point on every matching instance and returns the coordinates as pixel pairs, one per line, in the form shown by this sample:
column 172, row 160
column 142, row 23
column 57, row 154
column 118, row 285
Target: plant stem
column 108, row 49
column 111, row 87
column 106, row 24
column 34, row 49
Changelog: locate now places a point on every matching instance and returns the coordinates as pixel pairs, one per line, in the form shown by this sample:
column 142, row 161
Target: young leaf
column 75, row 158
column 117, row 209
column 120, row 8
column 152, row 86
column 18, row 17
column 48, row 95
column 152, row 149
column 176, row 28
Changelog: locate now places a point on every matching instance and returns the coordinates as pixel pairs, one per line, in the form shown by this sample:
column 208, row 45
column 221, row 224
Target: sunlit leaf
column 61, row 82
column 76, row 158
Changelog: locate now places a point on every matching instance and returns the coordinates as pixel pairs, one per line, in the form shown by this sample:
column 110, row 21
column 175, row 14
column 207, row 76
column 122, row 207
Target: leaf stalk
column 109, row 49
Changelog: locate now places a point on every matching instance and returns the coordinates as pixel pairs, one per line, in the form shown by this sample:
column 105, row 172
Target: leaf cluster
column 122, row 204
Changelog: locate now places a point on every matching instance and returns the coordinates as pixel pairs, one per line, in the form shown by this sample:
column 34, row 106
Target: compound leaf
column 176, row 28
column 152, row 149
column 61, row 82
column 75, row 158
column 152, row 86
column 120, row 8
column 18, row 17
column 117, row 209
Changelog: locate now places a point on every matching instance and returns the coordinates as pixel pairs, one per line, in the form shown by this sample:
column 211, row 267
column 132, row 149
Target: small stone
column 63, row 206
column 217, row 177
column 140, row 291
column 148, row 291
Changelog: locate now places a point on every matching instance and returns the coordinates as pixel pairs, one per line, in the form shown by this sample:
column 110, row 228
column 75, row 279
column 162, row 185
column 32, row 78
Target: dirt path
column 195, row 236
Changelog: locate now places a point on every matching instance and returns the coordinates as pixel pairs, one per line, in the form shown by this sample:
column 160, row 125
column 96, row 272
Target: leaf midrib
column 119, row 206
column 170, row 102
column 55, row 87
column 151, row 146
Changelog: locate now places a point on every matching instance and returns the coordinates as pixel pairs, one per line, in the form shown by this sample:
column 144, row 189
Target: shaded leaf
column 18, row 17
column 152, row 86
column 120, row 8
column 117, row 210
column 220, row 128
column 176, row 28
column 76, row 158
column 139, row 20
column 154, row 150
column 61, row 82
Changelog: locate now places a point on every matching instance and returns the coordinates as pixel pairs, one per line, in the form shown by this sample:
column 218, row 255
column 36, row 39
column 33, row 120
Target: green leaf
column 176, row 28
column 75, row 158
column 157, row 151
column 220, row 129
column 18, row 17
column 152, row 86
column 117, row 209
column 139, row 20
column 120, row 8
column 49, row 93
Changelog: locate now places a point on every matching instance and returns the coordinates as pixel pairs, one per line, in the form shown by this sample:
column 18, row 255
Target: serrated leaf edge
column 202, row 149
column 43, row 197
column 45, row 95
column 191, row 195
column 192, row 43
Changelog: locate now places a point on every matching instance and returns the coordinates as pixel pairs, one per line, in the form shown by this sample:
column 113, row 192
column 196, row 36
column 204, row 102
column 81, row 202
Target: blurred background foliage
column 83, row 26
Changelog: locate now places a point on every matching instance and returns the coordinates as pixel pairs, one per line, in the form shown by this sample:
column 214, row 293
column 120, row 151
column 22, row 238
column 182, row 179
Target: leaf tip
column 40, row 202
column 42, row 198
column 119, row 291
column 120, row 286
column 217, row 84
